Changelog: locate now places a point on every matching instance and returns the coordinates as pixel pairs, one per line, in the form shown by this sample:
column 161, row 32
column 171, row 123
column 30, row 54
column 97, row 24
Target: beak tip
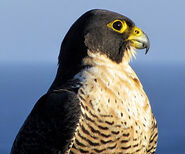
column 146, row 51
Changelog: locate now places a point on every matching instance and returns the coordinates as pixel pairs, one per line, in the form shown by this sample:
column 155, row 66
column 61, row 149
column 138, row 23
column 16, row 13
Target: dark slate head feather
column 90, row 31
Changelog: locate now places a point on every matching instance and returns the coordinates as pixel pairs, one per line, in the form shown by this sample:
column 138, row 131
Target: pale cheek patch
column 128, row 54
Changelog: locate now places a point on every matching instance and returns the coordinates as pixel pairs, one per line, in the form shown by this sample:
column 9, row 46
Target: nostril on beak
column 137, row 32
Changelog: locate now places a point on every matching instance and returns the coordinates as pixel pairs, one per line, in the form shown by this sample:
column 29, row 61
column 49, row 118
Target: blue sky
column 32, row 31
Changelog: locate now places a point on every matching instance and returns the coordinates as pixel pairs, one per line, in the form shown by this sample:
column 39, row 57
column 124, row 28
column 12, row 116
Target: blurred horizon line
column 132, row 62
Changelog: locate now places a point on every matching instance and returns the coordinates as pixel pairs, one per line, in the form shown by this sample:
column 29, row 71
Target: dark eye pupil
column 117, row 25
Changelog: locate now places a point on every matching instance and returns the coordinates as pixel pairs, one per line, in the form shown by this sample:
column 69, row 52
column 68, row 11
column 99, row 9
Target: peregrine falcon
column 96, row 103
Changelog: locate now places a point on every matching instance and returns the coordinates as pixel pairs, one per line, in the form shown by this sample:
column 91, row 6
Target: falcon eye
column 118, row 25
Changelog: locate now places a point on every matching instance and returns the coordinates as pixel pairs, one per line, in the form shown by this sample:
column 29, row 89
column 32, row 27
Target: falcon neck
column 101, row 64
column 93, row 59
column 102, row 61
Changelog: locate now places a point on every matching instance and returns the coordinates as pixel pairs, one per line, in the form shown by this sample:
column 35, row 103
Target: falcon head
column 101, row 31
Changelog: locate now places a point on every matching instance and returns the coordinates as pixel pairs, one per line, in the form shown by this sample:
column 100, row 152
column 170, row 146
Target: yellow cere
column 136, row 31
column 118, row 25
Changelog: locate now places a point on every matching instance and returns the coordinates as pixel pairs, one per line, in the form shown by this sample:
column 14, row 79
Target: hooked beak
column 139, row 39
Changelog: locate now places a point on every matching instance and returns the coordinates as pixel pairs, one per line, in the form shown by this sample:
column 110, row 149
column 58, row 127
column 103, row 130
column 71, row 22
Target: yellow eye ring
column 118, row 25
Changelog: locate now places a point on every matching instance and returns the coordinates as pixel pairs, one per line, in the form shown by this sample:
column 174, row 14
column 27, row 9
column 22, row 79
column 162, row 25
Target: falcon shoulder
column 50, row 125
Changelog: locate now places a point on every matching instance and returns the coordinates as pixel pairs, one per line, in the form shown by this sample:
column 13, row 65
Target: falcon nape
column 96, row 103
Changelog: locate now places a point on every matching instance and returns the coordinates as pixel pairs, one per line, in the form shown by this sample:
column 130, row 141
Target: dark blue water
column 22, row 84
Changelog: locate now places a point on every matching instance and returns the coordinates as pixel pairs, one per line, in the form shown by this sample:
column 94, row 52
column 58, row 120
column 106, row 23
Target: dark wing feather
column 50, row 126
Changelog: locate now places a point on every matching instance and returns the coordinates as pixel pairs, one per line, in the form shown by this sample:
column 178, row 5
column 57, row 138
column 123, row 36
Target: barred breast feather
column 116, row 113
